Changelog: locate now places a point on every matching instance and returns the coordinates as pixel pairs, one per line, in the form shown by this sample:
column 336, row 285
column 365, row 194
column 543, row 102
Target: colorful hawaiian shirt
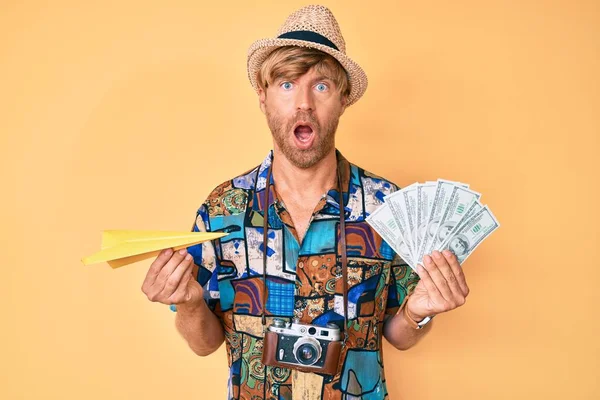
column 303, row 282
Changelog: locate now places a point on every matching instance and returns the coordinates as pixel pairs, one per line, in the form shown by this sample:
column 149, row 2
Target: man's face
column 444, row 231
column 303, row 115
column 457, row 246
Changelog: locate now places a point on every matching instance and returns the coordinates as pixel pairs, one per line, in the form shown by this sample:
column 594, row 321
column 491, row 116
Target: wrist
column 415, row 316
column 190, row 307
column 415, row 322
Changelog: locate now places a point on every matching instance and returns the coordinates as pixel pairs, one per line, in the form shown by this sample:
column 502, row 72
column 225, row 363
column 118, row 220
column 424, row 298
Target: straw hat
column 311, row 26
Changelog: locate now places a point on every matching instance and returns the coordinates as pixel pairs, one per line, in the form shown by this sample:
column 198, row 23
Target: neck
column 315, row 180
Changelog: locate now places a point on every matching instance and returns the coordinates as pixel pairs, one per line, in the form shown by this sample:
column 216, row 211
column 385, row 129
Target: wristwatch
column 412, row 322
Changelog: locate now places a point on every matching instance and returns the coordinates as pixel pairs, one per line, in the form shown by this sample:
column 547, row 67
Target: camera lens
column 307, row 354
column 307, row 351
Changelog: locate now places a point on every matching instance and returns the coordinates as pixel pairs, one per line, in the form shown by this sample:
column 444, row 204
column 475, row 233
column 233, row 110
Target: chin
column 308, row 158
column 304, row 162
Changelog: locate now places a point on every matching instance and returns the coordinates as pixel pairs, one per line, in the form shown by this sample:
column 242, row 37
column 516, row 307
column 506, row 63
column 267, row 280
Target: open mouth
column 304, row 134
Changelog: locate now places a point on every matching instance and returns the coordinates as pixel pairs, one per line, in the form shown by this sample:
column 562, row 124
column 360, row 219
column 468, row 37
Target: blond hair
column 290, row 62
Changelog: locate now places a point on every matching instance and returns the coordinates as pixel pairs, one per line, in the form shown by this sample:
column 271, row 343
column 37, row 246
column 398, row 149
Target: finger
column 174, row 279
column 458, row 271
column 168, row 269
column 457, row 296
column 432, row 289
column 155, row 268
column 181, row 293
column 438, row 279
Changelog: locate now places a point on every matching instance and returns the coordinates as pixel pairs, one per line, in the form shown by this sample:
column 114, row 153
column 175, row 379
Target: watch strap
column 412, row 322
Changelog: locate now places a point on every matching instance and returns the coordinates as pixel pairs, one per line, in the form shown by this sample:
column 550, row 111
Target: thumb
column 194, row 291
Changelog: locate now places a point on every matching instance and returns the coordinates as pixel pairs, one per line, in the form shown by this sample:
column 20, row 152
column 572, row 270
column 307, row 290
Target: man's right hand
column 169, row 279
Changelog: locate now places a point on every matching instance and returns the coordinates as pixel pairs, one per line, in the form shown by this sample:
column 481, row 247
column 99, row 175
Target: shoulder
column 231, row 196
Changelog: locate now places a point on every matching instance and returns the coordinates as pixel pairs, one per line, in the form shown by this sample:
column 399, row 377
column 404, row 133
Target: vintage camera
column 307, row 348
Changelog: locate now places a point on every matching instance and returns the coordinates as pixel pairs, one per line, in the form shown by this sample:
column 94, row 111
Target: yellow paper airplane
column 122, row 247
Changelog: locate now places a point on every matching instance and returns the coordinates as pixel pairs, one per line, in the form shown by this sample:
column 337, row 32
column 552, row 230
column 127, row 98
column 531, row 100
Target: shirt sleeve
column 205, row 262
column 403, row 280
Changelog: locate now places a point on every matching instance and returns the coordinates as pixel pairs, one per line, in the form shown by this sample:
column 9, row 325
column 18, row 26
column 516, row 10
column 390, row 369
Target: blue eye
column 321, row 87
column 286, row 85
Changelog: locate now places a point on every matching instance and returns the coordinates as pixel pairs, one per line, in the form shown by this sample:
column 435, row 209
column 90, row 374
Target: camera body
column 307, row 348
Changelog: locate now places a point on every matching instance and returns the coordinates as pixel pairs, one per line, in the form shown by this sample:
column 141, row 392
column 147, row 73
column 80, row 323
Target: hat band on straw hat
column 309, row 36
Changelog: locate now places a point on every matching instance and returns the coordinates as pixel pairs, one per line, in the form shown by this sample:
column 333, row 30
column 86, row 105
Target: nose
column 304, row 99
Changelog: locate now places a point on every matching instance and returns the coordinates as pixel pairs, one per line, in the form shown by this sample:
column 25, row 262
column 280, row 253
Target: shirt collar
column 332, row 196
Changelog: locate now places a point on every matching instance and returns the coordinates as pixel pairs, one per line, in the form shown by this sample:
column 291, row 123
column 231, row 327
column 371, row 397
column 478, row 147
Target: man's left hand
column 442, row 286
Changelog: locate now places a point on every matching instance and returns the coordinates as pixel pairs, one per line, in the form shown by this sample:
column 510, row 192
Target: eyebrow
column 318, row 78
column 323, row 78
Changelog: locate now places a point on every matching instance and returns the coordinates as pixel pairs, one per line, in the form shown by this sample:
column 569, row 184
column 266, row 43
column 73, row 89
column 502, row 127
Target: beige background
column 125, row 114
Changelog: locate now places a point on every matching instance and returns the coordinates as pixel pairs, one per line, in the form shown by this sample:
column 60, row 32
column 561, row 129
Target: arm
column 199, row 327
column 170, row 280
column 396, row 328
column 401, row 334
column 176, row 278
column 196, row 320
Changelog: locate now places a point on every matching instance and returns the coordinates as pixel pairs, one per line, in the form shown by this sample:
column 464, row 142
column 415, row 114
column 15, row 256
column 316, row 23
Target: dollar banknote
column 443, row 191
column 425, row 196
column 434, row 215
column 399, row 206
column 459, row 202
column 476, row 206
column 465, row 240
column 385, row 224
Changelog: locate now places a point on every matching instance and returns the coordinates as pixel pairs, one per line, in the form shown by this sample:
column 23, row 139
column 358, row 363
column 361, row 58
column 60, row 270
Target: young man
column 221, row 289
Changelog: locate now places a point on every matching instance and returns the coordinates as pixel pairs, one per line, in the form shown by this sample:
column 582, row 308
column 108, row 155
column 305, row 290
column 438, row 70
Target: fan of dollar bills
column 429, row 216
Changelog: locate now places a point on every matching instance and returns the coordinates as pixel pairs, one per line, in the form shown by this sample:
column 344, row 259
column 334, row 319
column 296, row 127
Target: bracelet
column 409, row 319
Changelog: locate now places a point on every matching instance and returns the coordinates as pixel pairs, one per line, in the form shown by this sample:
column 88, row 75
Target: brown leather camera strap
column 342, row 246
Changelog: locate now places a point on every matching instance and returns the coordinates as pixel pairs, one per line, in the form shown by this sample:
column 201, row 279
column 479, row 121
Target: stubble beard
column 323, row 143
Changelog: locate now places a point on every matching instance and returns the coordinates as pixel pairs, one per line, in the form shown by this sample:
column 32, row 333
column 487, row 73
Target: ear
column 262, row 95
